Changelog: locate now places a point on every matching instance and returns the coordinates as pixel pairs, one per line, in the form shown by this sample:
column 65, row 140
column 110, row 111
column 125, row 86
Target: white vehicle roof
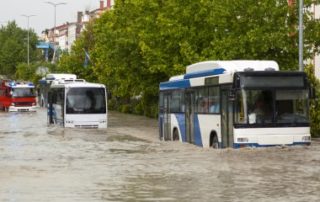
column 78, row 83
column 60, row 76
column 23, row 86
column 232, row 66
column 178, row 77
column 15, row 84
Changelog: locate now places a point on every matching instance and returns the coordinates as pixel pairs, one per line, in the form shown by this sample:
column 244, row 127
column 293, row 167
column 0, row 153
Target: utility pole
column 28, row 39
column 55, row 19
column 300, row 35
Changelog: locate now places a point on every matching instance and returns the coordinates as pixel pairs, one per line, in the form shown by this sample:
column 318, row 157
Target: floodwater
column 127, row 162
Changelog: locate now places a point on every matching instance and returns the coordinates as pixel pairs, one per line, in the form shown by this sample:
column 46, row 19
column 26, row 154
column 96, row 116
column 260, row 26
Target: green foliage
column 315, row 103
column 74, row 62
column 141, row 43
column 13, row 49
column 29, row 73
column 25, row 72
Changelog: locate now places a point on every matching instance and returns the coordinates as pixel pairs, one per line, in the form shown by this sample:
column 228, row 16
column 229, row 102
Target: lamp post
column 300, row 35
column 55, row 19
column 28, row 52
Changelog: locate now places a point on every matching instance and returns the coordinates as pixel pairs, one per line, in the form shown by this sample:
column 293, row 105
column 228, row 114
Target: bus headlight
column 13, row 104
column 242, row 139
column 306, row 138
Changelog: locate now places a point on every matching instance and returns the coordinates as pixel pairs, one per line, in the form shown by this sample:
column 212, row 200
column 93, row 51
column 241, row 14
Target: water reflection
column 126, row 162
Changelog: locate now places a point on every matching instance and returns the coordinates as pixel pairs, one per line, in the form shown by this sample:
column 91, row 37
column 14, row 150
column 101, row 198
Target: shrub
column 314, row 103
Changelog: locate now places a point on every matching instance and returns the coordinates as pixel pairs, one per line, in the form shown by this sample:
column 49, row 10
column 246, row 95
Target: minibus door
column 226, row 118
column 189, row 116
column 166, row 117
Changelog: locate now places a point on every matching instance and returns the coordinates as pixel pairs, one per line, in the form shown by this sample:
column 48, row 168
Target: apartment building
column 63, row 36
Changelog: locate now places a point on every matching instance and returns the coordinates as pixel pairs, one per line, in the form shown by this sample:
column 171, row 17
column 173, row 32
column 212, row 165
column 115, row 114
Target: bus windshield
column 23, row 92
column 86, row 101
column 263, row 107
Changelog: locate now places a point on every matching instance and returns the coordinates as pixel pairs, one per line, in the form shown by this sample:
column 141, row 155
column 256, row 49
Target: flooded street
column 127, row 162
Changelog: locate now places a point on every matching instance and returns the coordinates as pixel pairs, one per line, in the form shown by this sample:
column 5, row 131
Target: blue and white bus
column 235, row 104
column 77, row 104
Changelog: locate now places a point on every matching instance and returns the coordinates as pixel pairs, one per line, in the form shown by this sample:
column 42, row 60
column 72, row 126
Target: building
column 63, row 36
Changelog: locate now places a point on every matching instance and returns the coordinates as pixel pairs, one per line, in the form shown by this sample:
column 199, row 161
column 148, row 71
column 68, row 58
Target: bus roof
column 234, row 65
column 60, row 76
column 225, row 70
column 76, row 84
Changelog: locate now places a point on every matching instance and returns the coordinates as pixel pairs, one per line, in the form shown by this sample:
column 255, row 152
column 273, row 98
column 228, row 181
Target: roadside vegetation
column 315, row 103
column 13, row 48
column 143, row 42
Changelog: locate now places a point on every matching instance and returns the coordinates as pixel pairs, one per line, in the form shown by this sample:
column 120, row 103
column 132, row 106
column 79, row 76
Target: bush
column 314, row 103
column 125, row 108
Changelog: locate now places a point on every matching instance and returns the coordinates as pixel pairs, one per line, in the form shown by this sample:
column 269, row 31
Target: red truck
column 17, row 96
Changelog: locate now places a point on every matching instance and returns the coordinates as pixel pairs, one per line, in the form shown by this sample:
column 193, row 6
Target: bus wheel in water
column 214, row 142
column 175, row 136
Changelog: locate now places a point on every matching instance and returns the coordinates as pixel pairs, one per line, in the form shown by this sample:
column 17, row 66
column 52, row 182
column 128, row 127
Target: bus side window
column 214, row 100
column 202, row 100
column 175, row 102
column 161, row 102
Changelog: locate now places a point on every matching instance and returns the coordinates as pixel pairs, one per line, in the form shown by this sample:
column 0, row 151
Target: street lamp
column 55, row 19
column 55, row 9
column 300, row 35
column 28, row 17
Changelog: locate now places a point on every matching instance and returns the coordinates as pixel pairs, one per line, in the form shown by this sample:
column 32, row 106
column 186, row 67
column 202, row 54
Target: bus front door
column 226, row 119
column 166, row 117
column 189, row 116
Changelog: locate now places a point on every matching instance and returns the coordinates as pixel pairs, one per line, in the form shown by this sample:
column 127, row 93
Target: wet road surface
column 127, row 162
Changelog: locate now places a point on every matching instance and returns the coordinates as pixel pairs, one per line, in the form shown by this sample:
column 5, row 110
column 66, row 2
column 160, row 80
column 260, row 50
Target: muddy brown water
column 127, row 162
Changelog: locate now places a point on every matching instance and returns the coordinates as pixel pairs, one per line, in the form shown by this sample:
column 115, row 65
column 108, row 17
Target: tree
column 78, row 61
column 140, row 43
column 30, row 73
column 13, row 49
column 315, row 102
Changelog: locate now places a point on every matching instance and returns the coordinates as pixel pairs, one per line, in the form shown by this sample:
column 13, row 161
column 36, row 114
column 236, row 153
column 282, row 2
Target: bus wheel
column 175, row 136
column 214, row 142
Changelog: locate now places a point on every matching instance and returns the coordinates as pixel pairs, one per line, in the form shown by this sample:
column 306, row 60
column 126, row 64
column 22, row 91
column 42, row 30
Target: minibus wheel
column 175, row 135
column 214, row 142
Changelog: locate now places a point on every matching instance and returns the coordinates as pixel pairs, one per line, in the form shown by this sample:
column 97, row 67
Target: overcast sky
column 13, row 9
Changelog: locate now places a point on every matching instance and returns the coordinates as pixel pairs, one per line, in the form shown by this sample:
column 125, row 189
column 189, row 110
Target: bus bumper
column 268, row 137
column 71, row 124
